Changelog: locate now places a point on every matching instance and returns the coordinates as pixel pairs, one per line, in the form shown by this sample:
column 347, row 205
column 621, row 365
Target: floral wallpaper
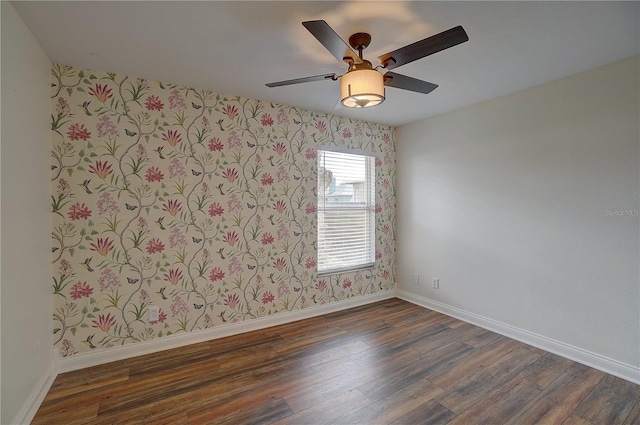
column 199, row 203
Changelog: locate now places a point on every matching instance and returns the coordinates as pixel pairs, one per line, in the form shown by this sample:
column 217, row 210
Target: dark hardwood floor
column 385, row 363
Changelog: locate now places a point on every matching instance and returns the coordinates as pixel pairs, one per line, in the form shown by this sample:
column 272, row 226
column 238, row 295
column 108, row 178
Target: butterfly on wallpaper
column 250, row 206
column 220, row 124
column 295, row 121
column 296, row 177
column 219, row 187
column 251, row 145
column 250, row 267
column 132, row 281
column 195, row 105
column 368, row 276
column 161, row 293
column 221, row 315
column 198, row 306
column 130, row 133
column 85, row 108
column 296, row 289
column 130, row 207
column 159, row 223
column 85, row 185
column 87, row 263
column 296, row 233
column 196, row 173
column 219, row 252
column 89, row 341
column 159, row 150
column 196, row 240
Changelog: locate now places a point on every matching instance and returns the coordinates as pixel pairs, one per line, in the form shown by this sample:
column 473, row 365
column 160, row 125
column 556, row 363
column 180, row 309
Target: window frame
column 368, row 207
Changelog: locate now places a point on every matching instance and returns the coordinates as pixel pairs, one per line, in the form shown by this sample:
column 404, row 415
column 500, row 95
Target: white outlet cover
column 154, row 313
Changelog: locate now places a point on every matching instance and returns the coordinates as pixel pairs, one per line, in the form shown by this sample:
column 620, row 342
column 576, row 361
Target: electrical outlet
column 416, row 279
column 436, row 283
column 154, row 313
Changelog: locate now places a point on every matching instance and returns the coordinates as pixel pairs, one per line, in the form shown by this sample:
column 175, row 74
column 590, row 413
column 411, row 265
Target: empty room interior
column 320, row 212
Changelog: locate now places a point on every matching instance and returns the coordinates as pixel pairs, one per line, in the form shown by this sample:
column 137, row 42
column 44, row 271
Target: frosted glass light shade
column 361, row 88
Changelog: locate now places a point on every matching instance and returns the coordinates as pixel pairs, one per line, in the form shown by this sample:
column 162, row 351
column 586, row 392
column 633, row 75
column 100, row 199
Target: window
column 346, row 211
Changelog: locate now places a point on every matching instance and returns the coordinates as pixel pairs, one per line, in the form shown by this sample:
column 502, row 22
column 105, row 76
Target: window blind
column 346, row 211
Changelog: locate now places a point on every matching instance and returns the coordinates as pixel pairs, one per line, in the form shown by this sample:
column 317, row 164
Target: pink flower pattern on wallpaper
column 101, row 169
column 153, row 103
column 102, row 92
column 208, row 212
column 79, row 211
column 80, row 290
column 78, row 132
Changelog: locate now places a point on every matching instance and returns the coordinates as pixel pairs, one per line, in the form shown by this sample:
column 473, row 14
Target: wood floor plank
column 484, row 337
column 381, row 363
column 452, row 336
column 556, row 401
column 575, row 420
column 73, row 383
column 633, row 418
column 395, row 405
column 290, row 377
column 610, row 402
column 480, row 358
column 381, row 348
column 431, row 412
column 162, row 410
column 474, row 388
column 300, row 399
column 246, row 411
column 585, row 372
column 163, row 385
column 328, row 409
column 546, row 369
column 499, row 405
column 69, row 415
column 389, row 383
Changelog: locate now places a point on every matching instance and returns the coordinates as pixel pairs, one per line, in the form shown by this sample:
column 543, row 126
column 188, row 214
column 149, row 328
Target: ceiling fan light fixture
column 362, row 88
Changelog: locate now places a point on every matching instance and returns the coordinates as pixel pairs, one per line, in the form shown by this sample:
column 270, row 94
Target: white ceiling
column 237, row 47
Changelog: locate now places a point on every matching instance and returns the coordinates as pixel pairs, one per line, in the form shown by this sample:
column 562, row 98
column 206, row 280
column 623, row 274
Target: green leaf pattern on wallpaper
column 196, row 202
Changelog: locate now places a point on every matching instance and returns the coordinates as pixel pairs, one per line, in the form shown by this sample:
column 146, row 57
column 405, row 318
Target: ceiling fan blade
column 331, row 41
column 303, row 80
column 422, row 48
column 392, row 79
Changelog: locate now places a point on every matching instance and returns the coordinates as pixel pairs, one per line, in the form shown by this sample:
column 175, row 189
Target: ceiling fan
column 362, row 86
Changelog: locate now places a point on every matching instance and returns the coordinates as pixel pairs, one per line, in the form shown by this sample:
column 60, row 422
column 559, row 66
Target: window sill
column 367, row 266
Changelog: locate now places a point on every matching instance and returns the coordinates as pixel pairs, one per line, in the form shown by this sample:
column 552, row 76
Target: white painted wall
column 526, row 209
column 26, row 305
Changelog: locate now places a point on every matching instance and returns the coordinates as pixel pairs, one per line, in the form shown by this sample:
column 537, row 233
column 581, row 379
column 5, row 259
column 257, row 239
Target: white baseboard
column 89, row 359
column 31, row 406
column 597, row 361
